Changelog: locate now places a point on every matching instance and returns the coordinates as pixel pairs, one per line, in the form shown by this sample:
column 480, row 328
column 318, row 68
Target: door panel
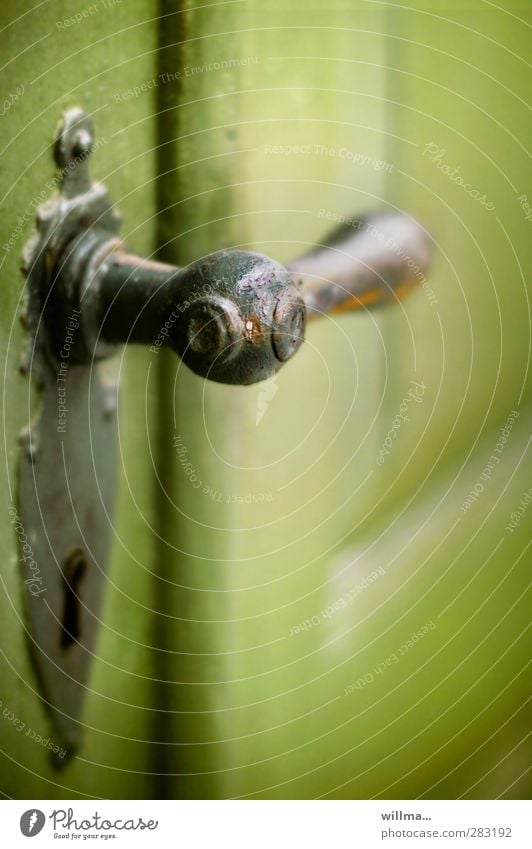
column 301, row 564
column 299, row 602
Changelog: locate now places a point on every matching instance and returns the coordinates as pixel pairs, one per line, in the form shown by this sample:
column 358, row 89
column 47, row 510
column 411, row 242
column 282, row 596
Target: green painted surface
column 275, row 522
column 268, row 509
column 82, row 63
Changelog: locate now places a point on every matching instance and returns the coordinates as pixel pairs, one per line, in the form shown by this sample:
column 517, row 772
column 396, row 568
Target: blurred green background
column 306, row 622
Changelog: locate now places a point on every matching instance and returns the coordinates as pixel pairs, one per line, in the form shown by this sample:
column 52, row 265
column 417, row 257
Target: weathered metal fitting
column 233, row 316
column 229, row 319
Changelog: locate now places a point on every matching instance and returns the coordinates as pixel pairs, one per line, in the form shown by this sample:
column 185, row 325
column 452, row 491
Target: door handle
column 233, row 316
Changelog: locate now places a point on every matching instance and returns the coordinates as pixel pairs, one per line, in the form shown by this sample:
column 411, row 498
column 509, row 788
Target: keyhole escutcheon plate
column 66, row 495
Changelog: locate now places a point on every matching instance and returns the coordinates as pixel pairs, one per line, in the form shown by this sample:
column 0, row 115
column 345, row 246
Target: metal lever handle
column 365, row 262
column 233, row 316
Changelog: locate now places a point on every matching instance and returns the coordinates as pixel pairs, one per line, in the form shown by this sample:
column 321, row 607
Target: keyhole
column 73, row 571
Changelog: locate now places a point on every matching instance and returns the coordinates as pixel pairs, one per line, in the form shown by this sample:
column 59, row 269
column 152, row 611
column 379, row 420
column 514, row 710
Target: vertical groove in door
column 166, row 760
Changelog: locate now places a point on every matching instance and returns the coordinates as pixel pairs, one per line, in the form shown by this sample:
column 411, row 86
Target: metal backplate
column 67, row 483
column 68, row 451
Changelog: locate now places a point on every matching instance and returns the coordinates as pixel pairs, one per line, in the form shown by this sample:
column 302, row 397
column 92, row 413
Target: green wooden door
column 305, row 598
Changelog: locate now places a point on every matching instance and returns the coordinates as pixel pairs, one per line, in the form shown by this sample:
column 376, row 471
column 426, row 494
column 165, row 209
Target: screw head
column 82, row 143
column 289, row 324
column 74, row 138
column 214, row 328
